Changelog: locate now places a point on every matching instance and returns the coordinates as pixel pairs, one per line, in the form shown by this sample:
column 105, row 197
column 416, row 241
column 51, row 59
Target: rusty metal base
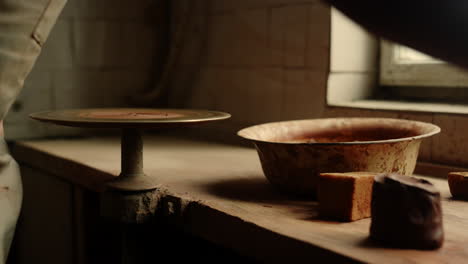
column 132, row 177
column 140, row 183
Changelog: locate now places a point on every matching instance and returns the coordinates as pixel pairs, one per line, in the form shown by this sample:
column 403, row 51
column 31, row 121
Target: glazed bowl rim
column 434, row 130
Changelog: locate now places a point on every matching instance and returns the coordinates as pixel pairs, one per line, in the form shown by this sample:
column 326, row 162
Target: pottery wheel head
column 129, row 117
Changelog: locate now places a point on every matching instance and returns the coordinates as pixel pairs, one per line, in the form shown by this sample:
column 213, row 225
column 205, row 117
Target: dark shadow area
column 423, row 94
column 457, row 199
column 251, row 190
column 259, row 190
column 164, row 241
column 367, row 243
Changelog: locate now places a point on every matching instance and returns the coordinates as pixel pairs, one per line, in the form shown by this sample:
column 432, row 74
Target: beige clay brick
column 345, row 196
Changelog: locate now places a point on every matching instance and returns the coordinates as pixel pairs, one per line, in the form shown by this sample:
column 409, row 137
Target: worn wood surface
column 219, row 192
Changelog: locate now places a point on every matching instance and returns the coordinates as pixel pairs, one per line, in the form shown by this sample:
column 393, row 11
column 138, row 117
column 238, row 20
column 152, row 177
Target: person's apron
column 24, row 27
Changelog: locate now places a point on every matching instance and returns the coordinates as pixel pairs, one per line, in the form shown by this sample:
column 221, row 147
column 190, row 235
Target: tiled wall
column 268, row 60
column 99, row 53
column 260, row 60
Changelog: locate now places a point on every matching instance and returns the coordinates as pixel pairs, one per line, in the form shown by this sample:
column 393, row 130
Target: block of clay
column 458, row 184
column 345, row 196
column 406, row 213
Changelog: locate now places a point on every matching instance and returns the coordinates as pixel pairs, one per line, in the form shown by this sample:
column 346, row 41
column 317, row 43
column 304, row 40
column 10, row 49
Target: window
column 366, row 72
column 403, row 66
column 407, row 74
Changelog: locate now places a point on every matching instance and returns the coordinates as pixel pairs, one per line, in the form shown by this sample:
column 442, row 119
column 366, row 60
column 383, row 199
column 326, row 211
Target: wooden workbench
column 219, row 192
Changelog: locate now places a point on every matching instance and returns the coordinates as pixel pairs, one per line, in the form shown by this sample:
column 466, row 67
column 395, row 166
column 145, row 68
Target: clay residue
column 352, row 135
column 121, row 115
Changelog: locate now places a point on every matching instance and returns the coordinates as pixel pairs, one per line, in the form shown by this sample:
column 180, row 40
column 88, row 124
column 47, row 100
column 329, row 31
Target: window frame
column 353, row 79
column 395, row 73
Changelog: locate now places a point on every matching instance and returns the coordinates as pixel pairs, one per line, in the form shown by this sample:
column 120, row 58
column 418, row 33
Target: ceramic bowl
column 294, row 153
